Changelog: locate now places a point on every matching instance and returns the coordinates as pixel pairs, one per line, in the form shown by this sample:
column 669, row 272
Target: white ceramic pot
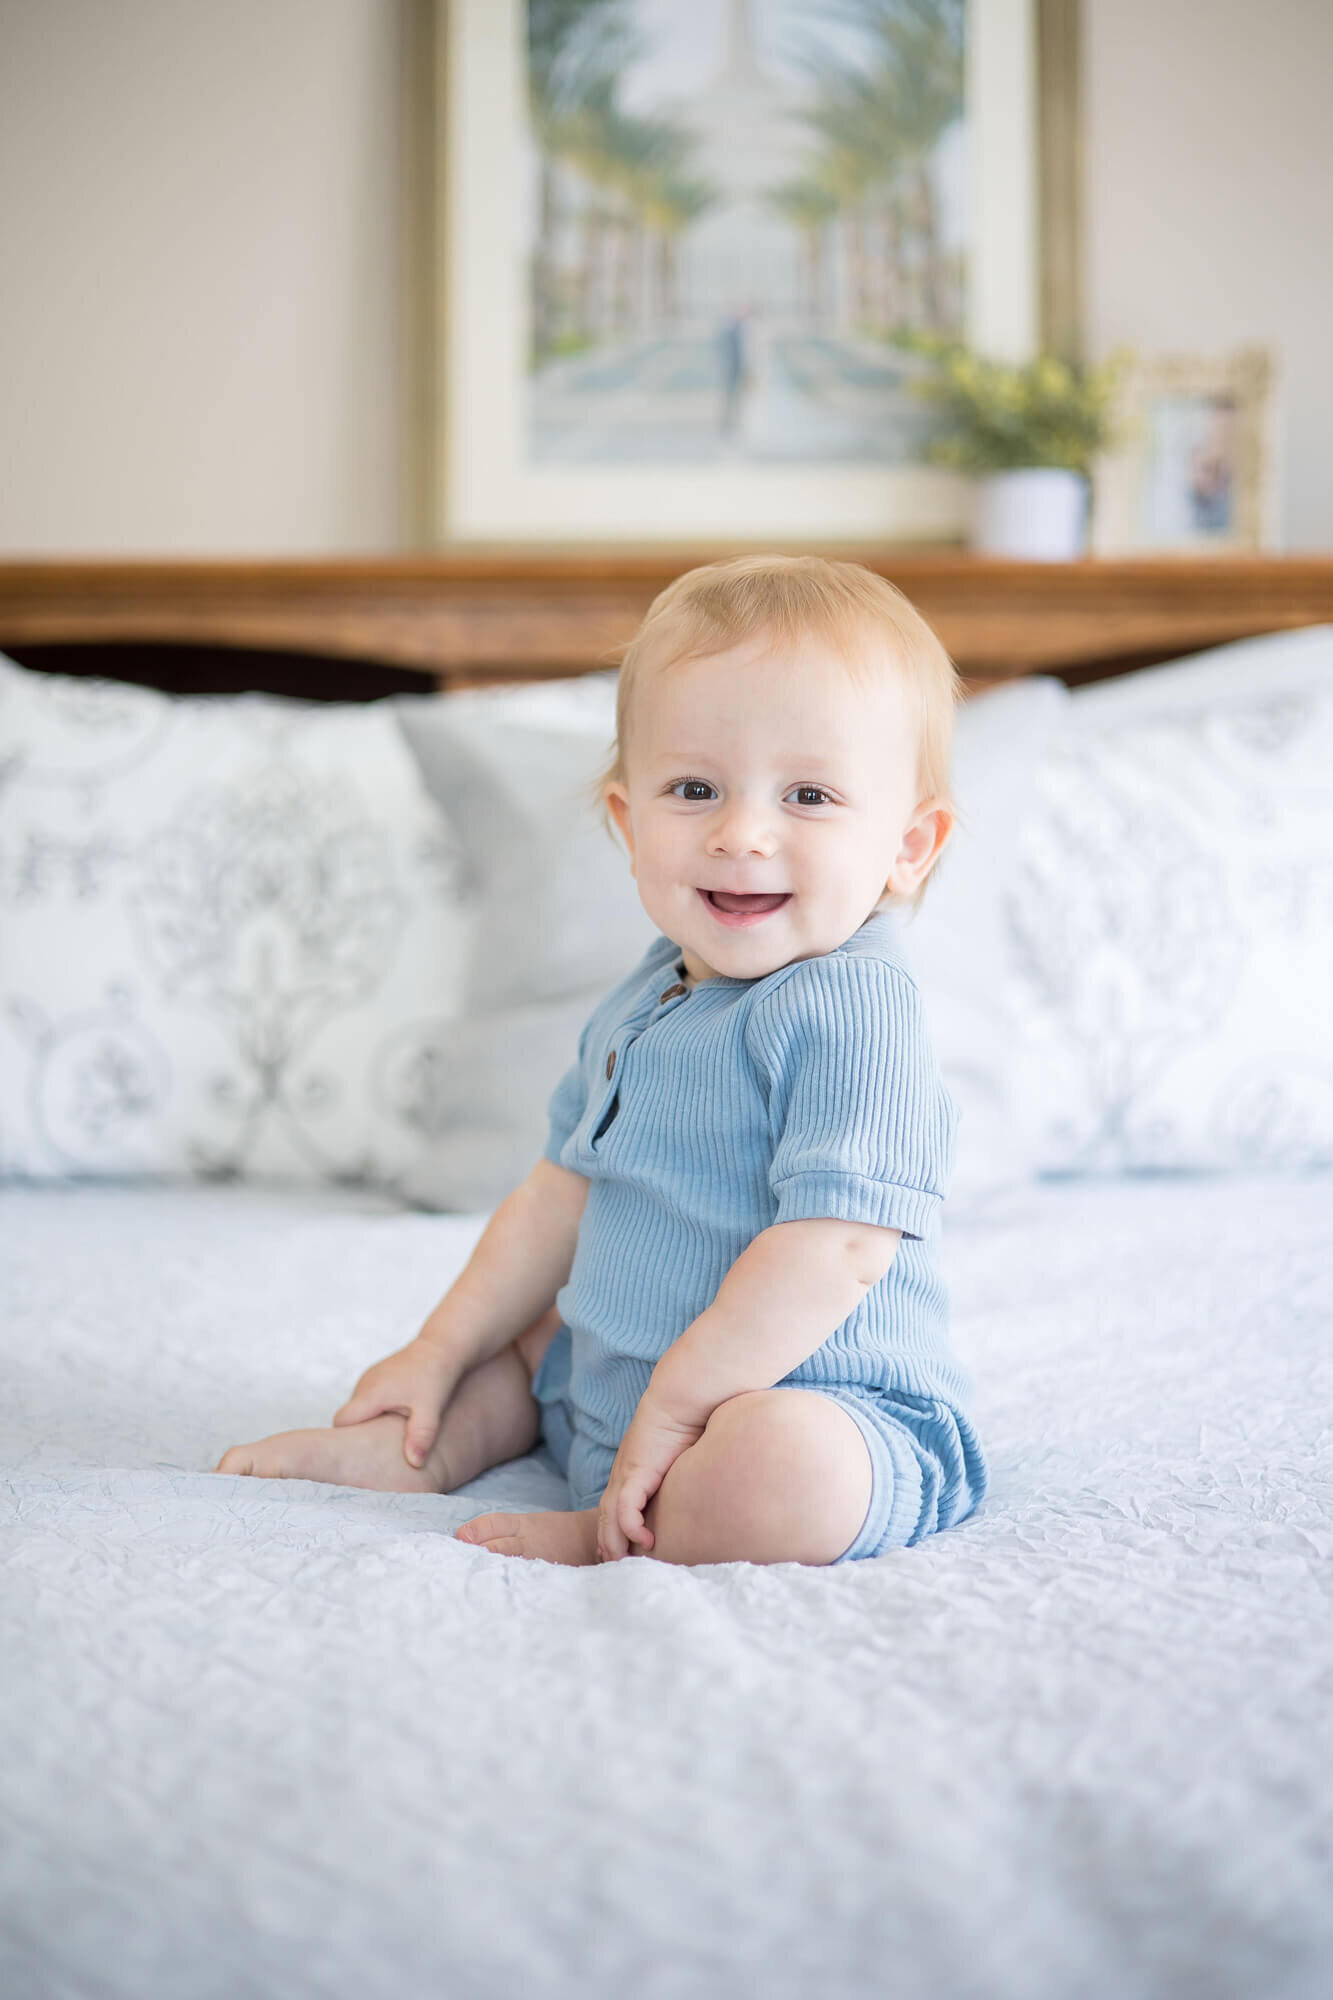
column 1039, row 513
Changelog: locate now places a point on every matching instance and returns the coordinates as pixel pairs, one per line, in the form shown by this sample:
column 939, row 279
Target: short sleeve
column 567, row 1104
column 861, row 1124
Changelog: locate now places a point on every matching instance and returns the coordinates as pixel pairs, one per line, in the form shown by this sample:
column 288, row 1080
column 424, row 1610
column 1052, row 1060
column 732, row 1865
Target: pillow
column 492, row 1077
column 556, row 908
column 558, row 916
column 1172, row 919
column 958, row 944
column 225, row 926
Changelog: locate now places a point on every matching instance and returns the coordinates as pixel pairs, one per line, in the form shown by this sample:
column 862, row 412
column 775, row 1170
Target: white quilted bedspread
column 276, row 1739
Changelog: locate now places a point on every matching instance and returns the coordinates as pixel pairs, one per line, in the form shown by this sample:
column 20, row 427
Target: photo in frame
column 677, row 238
column 1192, row 472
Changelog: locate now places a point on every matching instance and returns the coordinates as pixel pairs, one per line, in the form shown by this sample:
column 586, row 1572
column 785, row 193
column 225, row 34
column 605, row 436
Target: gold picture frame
column 468, row 478
column 1192, row 471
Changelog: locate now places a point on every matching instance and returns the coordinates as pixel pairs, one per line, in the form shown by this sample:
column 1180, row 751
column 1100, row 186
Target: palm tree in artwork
column 575, row 48
column 880, row 121
column 642, row 158
column 857, row 168
column 809, row 205
column 668, row 205
column 634, row 169
column 922, row 40
column 627, row 163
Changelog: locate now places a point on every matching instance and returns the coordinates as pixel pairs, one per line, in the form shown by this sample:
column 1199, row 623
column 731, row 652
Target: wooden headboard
column 355, row 628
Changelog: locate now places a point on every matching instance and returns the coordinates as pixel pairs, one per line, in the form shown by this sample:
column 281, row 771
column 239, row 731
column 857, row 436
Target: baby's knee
column 778, row 1476
column 773, row 1437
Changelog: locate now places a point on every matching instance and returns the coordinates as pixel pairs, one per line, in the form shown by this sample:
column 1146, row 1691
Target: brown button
column 610, row 1062
column 672, row 991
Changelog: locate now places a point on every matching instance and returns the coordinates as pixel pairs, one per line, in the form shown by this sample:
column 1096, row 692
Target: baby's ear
column 617, row 804
column 923, row 841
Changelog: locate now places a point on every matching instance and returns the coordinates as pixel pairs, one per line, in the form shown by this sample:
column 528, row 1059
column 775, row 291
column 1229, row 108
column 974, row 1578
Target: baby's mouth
column 755, row 906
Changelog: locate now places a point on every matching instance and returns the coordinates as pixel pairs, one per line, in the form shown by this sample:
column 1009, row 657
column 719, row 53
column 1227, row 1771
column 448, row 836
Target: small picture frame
column 1192, row 470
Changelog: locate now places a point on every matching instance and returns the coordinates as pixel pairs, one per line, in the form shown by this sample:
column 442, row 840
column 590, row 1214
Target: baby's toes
column 487, row 1531
column 239, row 1461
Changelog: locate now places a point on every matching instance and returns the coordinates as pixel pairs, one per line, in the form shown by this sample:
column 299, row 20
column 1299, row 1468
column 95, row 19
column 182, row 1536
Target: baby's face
column 769, row 802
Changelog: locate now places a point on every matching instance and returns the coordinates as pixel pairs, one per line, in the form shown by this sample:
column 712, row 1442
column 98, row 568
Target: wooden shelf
column 481, row 614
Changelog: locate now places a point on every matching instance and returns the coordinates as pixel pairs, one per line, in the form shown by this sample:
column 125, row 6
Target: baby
column 714, row 1297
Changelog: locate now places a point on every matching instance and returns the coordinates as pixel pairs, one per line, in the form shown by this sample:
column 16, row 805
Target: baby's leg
column 492, row 1416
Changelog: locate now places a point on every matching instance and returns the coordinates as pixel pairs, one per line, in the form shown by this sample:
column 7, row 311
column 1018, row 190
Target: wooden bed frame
column 357, row 628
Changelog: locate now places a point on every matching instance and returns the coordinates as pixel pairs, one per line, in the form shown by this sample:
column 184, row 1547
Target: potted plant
column 1028, row 431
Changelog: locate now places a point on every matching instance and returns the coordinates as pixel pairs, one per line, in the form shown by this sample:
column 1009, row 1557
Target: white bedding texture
column 277, row 1739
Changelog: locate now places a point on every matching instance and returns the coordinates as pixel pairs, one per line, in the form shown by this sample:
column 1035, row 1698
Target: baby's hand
column 653, row 1443
column 416, row 1382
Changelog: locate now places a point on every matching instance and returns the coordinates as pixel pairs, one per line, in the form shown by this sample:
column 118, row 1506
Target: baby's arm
column 782, row 1298
column 522, row 1258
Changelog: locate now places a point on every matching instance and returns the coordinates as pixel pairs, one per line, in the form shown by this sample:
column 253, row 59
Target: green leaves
column 993, row 416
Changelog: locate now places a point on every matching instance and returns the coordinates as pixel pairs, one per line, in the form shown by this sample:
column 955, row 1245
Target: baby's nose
column 743, row 829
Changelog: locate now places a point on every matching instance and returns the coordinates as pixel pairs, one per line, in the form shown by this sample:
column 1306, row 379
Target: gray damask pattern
column 1167, row 867
column 412, row 1078
column 203, row 905
column 1120, row 927
column 99, row 733
column 97, row 1081
column 274, row 906
column 1283, row 1122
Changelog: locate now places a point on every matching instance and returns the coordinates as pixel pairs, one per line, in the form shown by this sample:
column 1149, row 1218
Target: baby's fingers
column 421, row 1433
column 357, row 1408
column 630, row 1510
column 611, row 1544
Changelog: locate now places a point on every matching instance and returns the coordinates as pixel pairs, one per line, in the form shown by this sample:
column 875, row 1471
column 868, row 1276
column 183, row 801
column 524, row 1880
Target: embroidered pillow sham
column 229, row 930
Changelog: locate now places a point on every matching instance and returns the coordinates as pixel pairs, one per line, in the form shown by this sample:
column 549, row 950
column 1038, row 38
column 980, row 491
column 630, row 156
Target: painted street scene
column 734, row 208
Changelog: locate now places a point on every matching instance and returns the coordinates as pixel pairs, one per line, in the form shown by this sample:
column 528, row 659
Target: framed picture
column 677, row 242
column 1193, row 470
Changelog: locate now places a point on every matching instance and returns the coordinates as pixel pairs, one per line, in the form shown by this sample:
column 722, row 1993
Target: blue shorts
column 926, row 1468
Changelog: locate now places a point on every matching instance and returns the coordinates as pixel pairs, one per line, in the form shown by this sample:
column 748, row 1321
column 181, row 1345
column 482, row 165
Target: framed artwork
column 1193, row 471
column 678, row 242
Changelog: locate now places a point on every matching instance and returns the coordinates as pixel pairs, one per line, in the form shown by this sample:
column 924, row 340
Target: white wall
column 201, row 336
column 1209, row 138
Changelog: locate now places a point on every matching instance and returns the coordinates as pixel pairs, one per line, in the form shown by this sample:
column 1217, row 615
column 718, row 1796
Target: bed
column 292, row 1739
column 276, row 1738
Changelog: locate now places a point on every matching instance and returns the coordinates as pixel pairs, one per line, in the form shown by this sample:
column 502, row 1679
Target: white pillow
column 1173, row 918
column 556, row 908
column 558, row 914
column 958, row 943
column 227, row 928
column 494, row 1073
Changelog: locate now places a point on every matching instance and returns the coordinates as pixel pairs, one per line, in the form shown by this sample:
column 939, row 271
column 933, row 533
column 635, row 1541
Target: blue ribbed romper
column 702, row 1116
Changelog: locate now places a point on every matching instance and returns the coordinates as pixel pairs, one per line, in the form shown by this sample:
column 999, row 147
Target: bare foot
column 552, row 1538
column 368, row 1454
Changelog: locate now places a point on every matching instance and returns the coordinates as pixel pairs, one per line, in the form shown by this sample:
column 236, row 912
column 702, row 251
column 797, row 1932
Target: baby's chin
column 753, row 950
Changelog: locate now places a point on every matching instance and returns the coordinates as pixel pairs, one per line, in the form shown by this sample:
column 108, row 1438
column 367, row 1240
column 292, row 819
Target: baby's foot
column 368, row 1454
column 552, row 1538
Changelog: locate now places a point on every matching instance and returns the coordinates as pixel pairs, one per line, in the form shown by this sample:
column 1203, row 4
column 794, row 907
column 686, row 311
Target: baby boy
column 714, row 1298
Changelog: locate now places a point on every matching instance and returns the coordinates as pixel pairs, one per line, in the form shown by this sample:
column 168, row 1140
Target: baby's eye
column 693, row 790
column 810, row 795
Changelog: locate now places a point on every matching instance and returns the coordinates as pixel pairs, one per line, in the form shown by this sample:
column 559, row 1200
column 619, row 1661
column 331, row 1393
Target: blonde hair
column 787, row 598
